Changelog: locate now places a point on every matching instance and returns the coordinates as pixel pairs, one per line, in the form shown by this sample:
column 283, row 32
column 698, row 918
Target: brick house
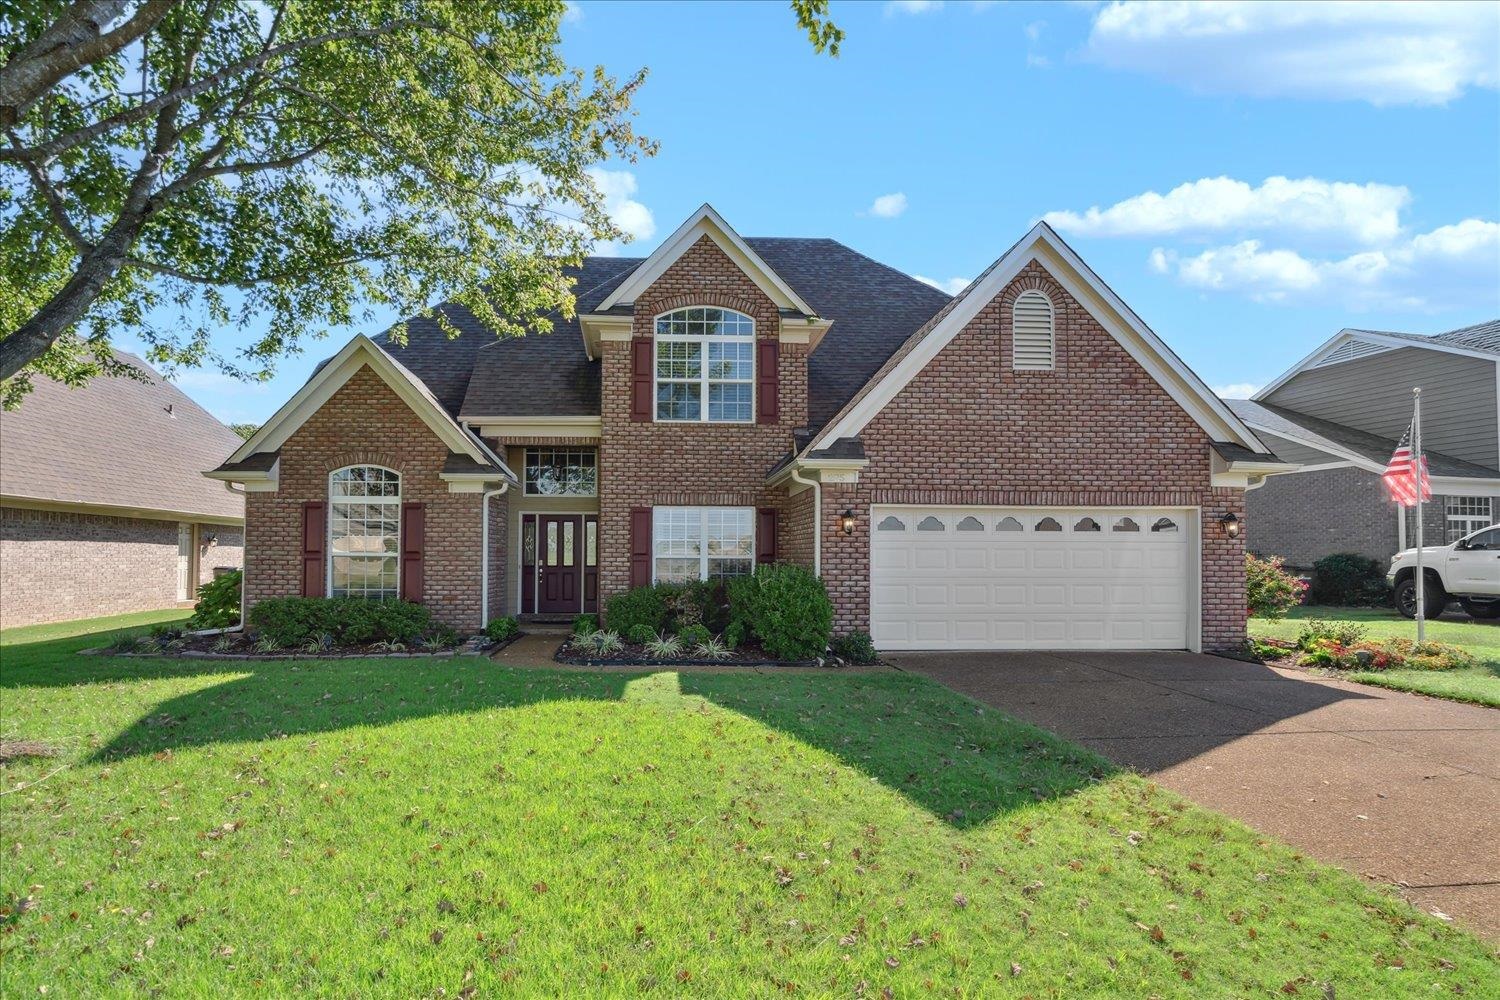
column 1339, row 413
column 1024, row 465
column 103, row 508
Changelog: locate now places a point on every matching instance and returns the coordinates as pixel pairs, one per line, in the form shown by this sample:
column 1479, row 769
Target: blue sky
column 1260, row 176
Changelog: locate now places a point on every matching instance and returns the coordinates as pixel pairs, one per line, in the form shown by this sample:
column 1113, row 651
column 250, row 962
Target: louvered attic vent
column 1032, row 332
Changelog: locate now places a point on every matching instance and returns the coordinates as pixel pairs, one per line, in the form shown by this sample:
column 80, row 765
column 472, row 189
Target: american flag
column 1400, row 481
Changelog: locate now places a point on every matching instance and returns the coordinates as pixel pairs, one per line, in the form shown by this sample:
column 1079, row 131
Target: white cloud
column 617, row 187
column 912, row 7
column 887, row 206
column 952, row 285
column 1449, row 266
column 1365, row 213
column 572, row 13
column 1235, row 390
column 1381, row 52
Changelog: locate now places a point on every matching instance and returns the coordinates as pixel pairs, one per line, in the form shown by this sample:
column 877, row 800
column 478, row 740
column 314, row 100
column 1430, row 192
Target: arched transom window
column 364, row 532
column 705, row 365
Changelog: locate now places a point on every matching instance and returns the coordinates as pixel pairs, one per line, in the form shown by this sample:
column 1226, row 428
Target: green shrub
column 1340, row 633
column 855, row 647
column 501, row 629
column 786, row 607
column 585, row 624
column 1437, row 656
column 218, row 602
column 1270, row 591
column 639, row 607
column 352, row 621
column 1347, row 579
column 713, row 649
column 693, row 636
column 640, row 634
column 664, row 647
column 734, row 634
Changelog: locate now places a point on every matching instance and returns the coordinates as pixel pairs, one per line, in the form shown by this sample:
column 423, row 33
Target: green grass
column 1480, row 685
column 417, row 828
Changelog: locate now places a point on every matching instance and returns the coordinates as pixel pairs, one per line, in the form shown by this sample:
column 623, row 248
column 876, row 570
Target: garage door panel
column 986, row 588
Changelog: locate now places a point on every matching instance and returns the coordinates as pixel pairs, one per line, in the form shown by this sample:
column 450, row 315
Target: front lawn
column 454, row 827
column 1480, row 685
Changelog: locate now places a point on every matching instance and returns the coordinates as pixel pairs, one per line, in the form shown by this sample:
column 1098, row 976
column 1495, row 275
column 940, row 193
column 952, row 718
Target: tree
column 292, row 163
column 246, row 431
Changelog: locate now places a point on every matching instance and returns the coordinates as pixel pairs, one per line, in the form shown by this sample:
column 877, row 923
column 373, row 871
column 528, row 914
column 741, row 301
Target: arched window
column 930, row 524
column 1164, row 524
column 364, row 532
column 1008, row 524
column 1048, row 524
column 891, row 523
column 705, row 365
column 1032, row 332
column 970, row 524
column 1086, row 524
column 1126, row 524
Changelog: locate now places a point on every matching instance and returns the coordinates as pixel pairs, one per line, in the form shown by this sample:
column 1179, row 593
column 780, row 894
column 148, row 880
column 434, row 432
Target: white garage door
column 1031, row 578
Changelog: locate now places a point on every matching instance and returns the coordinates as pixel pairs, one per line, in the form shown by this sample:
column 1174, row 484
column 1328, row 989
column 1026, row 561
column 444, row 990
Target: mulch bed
column 634, row 655
column 202, row 647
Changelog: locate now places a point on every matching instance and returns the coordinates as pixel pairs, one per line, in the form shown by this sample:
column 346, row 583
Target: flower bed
column 167, row 641
column 1342, row 646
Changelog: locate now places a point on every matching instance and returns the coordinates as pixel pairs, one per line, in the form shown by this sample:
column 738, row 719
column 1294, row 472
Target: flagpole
column 1416, row 473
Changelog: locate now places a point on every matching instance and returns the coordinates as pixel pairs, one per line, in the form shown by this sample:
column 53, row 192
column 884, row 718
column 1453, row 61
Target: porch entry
column 559, row 563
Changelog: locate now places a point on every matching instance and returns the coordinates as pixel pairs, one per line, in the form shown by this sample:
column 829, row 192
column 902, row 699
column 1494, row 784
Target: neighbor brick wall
column 1308, row 515
column 1097, row 430
column 365, row 422
column 648, row 464
column 60, row 565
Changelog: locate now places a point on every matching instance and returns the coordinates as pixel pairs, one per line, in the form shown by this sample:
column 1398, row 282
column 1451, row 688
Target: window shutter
column 640, row 378
column 314, row 533
column 640, row 546
column 765, row 536
column 413, row 528
column 1032, row 332
column 767, row 382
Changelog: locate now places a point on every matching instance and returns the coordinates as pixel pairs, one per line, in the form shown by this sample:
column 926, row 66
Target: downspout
column 817, row 489
column 484, row 558
column 244, row 558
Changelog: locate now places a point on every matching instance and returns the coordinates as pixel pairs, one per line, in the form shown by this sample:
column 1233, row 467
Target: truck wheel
column 1406, row 599
column 1480, row 609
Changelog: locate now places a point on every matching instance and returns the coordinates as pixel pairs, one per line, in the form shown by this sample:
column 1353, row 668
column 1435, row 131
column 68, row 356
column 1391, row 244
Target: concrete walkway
column 1398, row 787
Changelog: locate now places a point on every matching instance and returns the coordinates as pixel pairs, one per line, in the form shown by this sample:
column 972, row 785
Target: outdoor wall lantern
column 1231, row 525
column 846, row 521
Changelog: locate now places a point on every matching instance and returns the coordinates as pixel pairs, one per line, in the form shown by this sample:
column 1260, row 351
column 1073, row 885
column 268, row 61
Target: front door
column 559, row 563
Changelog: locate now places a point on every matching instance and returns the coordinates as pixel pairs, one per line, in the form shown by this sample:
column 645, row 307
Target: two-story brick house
column 1024, row 465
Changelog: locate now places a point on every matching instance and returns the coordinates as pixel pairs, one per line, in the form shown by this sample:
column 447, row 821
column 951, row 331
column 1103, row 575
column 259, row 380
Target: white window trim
column 526, row 464
column 1457, row 525
column 703, row 380
column 703, row 556
column 328, row 553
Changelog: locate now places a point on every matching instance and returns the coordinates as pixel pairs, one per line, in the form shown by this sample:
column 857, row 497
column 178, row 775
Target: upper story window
column 364, row 532
column 705, row 365
column 1033, row 333
column 561, row 472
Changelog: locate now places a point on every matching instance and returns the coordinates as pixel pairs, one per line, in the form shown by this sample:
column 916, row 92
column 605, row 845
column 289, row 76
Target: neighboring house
column 103, row 506
column 1340, row 412
column 1022, row 466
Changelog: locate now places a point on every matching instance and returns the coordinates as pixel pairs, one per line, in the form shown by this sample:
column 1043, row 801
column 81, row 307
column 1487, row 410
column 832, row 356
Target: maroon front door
column 560, row 575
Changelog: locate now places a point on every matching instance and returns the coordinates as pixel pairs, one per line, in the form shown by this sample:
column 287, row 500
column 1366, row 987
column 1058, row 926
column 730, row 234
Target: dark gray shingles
column 1283, row 422
column 1231, row 452
column 114, row 443
column 1479, row 337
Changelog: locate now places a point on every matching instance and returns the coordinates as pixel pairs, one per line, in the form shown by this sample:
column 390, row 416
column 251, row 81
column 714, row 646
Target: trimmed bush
column 693, row 636
column 218, row 602
column 855, row 647
column 585, row 624
column 1348, row 580
column 1270, row 591
column 643, row 606
column 786, row 607
column 501, row 629
column 640, row 634
column 352, row 621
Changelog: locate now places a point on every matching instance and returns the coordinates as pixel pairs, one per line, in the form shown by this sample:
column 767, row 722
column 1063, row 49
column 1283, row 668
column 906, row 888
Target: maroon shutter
column 640, row 378
column 767, row 382
column 765, row 536
column 640, row 546
column 314, row 531
column 412, row 531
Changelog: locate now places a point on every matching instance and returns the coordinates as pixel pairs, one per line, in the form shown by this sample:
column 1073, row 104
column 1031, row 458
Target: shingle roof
column 874, row 308
column 1325, row 433
column 1479, row 337
column 117, row 442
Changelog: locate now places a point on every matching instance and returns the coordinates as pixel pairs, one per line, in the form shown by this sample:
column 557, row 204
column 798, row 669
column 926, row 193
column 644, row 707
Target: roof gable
column 706, row 222
column 1043, row 245
column 1349, row 344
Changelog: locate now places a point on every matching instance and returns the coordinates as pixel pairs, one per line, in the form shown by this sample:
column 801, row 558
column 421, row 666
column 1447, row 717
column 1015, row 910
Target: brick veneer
column 57, row 565
column 1096, row 430
column 1309, row 515
column 365, row 422
column 649, row 464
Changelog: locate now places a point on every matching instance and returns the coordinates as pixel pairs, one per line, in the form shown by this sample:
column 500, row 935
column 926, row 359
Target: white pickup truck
column 1467, row 570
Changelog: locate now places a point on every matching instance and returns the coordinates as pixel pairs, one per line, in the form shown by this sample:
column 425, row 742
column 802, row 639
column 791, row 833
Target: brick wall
column 1096, row 430
column 61, row 565
column 648, row 464
column 365, row 422
column 1308, row 515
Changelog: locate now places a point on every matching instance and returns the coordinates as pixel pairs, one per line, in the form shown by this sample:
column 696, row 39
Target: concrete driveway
column 1397, row 787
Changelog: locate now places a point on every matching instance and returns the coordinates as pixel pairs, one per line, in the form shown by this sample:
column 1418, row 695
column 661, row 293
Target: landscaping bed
column 635, row 654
